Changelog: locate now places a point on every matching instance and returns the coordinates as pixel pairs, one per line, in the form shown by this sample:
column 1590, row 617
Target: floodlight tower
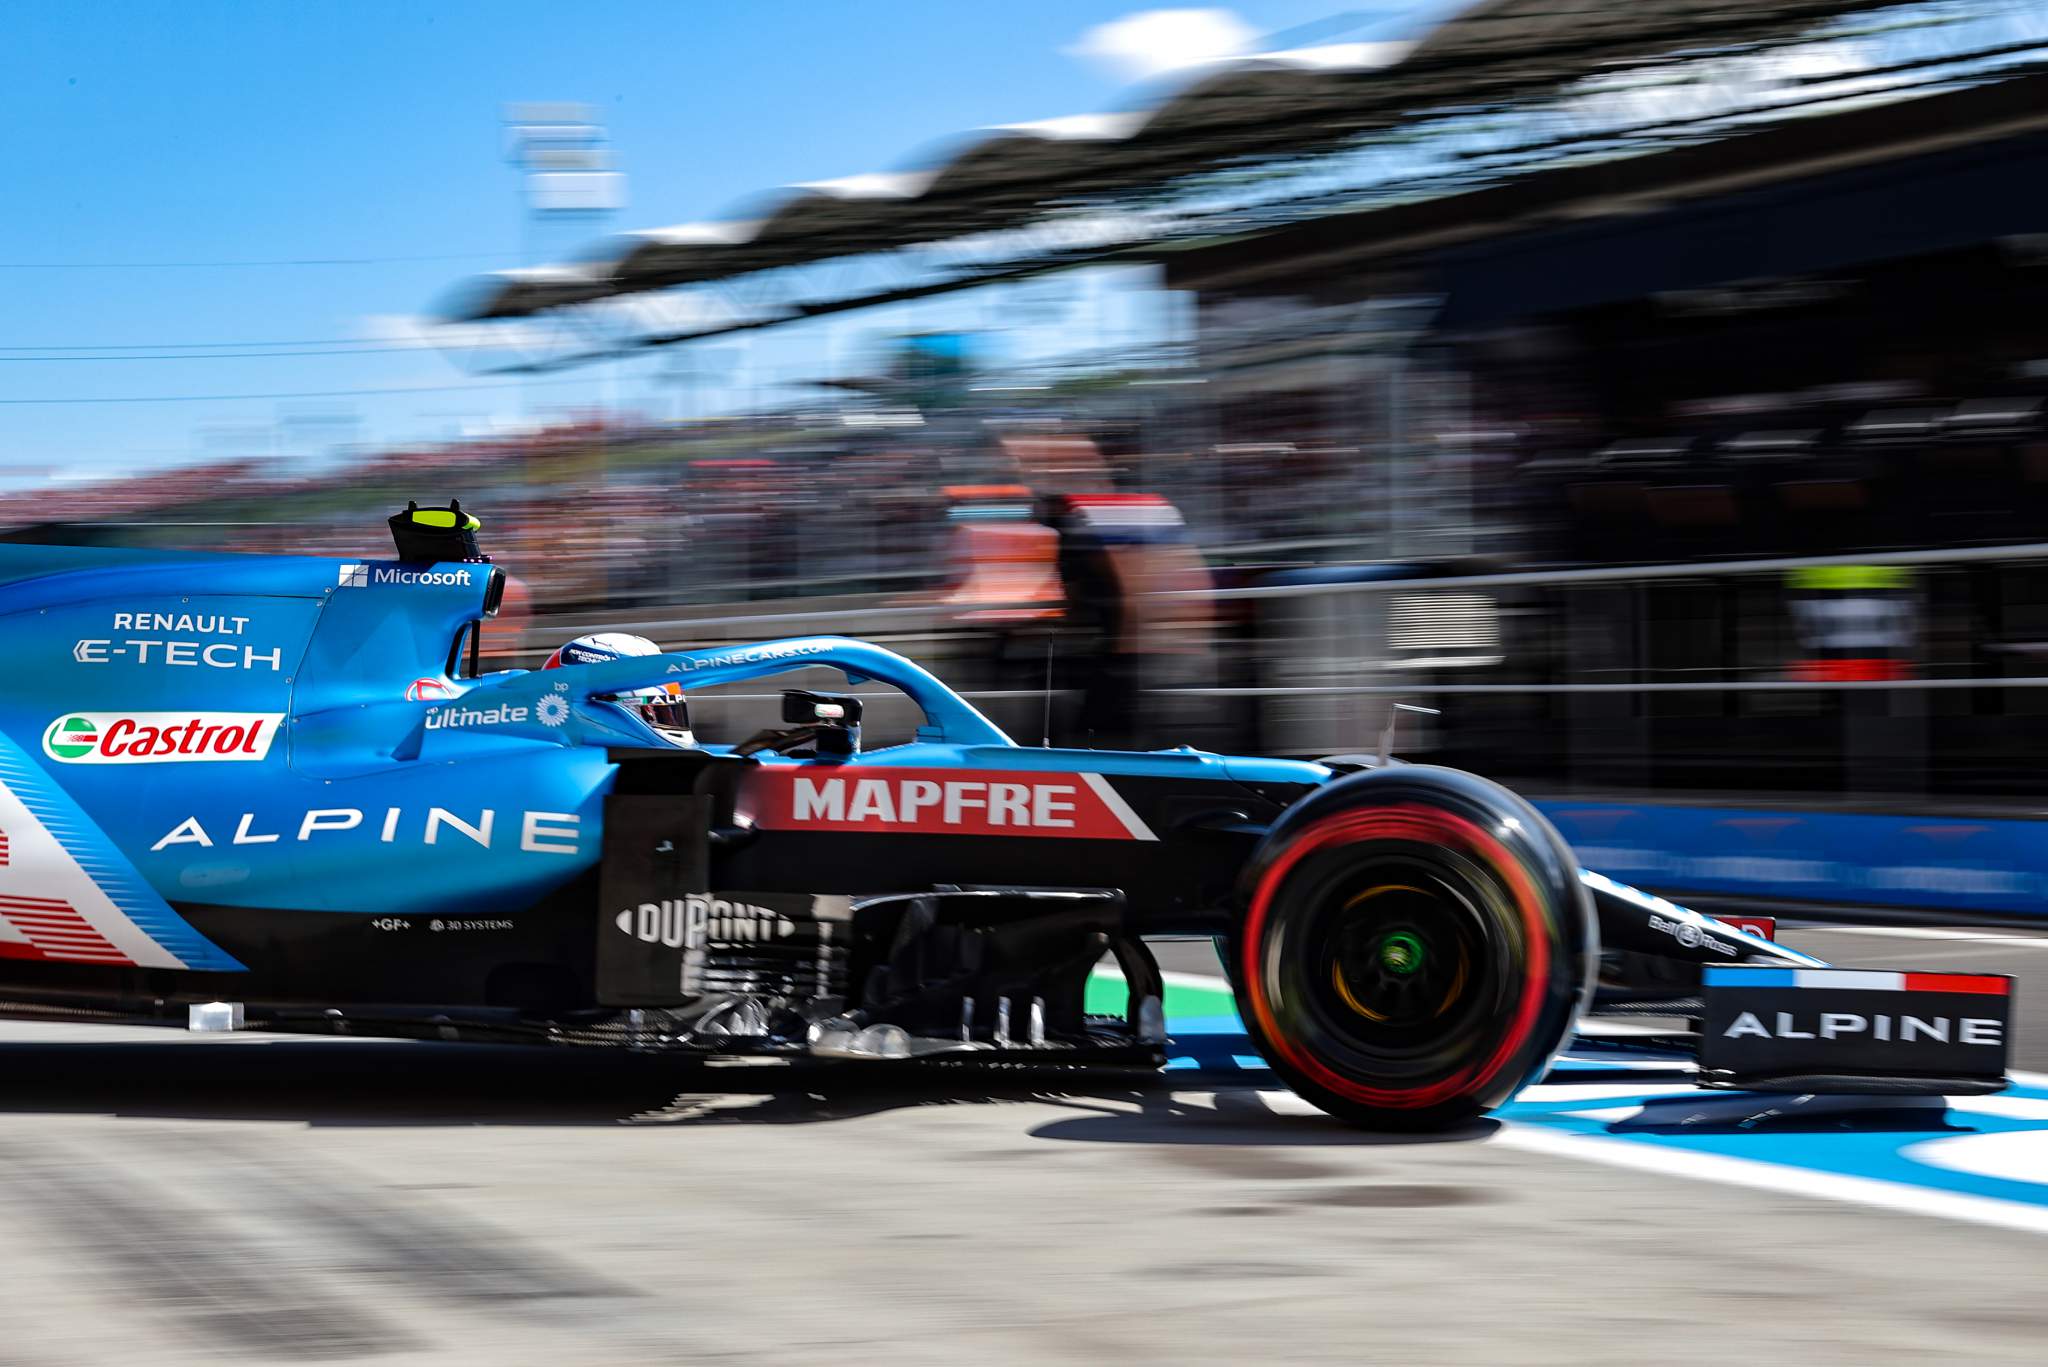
column 570, row 186
column 564, row 156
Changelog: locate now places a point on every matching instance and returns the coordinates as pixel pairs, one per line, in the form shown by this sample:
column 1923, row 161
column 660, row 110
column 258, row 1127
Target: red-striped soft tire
column 1415, row 947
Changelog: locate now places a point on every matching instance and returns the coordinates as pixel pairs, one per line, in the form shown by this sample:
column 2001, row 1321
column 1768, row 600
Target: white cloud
column 1153, row 42
column 418, row 332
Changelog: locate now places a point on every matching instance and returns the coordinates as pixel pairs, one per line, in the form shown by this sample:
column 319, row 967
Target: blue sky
column 206, row 132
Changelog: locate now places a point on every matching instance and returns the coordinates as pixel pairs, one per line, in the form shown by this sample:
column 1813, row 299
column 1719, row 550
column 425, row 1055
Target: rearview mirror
column 803, row 708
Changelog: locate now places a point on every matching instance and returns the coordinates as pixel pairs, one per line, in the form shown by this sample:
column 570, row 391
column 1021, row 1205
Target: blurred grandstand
column 1659, row 389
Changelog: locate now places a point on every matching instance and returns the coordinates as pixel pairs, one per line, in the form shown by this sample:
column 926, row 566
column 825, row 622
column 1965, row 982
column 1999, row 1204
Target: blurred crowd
column 596, row 514
column 1090, row 536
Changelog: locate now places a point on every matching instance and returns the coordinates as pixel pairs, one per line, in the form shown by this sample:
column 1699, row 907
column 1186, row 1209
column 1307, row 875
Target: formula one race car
column 274, row 793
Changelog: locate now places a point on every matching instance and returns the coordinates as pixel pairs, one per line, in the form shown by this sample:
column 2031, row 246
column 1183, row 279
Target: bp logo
column 552, row 709
column 71, row 738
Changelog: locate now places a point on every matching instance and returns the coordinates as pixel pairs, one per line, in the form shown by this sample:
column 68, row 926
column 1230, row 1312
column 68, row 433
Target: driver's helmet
column 663, row 706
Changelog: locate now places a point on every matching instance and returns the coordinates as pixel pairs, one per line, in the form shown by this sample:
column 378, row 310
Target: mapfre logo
column 160, row 737
column 941, row 802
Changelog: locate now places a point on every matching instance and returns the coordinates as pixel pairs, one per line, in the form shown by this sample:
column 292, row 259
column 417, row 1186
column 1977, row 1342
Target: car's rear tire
column 1415, row 947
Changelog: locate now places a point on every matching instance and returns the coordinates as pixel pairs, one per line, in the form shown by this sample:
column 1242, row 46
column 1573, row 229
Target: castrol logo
column 160, row 737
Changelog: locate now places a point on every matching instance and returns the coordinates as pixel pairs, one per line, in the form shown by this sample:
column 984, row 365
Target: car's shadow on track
column 390, row 1083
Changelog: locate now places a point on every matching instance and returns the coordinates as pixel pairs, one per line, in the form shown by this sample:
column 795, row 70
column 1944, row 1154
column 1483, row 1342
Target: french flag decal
column 1858, row 980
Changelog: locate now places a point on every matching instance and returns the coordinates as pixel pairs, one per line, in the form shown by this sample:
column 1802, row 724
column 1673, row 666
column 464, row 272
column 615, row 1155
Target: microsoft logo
column 354, row 575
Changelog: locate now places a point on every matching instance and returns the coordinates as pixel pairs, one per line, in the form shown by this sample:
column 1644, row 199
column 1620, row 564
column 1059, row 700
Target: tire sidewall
column 1553, row 943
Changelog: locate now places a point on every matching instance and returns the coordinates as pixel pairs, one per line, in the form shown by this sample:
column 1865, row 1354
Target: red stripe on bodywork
column 1970, row 984
column 57, row 931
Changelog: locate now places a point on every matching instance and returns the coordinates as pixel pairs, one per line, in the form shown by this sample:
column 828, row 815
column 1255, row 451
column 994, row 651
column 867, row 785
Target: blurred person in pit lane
column 1134, row 591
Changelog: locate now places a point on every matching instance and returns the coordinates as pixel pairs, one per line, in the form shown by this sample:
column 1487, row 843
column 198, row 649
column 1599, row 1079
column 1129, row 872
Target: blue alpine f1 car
column 275, row 793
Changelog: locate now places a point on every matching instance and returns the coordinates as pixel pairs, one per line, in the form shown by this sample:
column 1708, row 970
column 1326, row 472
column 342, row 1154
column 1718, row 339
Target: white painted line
column 1932, row 933
column 1617, row 1027
column 1208, row 982
column 1120, row 809
column 2011, row 1107
column 1664, row 1160
column 2007, row 1156
column 1279, row 1101
column 1620, row 1063
column 1600, row 1091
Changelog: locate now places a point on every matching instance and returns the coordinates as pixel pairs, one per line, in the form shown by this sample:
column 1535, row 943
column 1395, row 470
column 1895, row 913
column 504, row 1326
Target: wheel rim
column 1392, row 962
column 1286, row 997
column 1396, row 966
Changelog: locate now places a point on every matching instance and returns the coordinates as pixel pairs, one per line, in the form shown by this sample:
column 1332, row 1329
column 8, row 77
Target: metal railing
column 1315, row 672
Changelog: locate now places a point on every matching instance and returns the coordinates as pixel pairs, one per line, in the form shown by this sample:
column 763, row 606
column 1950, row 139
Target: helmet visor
column 667, row 716
column 664, row 707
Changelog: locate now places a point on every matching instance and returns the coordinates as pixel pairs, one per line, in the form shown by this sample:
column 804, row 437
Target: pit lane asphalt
column 172, row 1199
column 2002, row 950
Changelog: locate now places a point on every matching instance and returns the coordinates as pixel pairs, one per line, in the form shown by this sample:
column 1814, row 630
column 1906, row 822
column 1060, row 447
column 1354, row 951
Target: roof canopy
column 1260, row 107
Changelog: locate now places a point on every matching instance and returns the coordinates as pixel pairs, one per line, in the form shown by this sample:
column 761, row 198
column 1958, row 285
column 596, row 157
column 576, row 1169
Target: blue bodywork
column 479, row 802
column 284, row 755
